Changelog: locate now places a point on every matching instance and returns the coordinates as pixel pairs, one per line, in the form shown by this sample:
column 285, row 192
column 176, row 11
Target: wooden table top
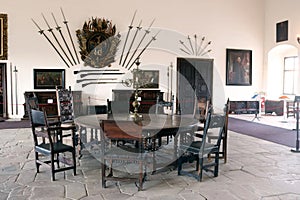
column 149, row 121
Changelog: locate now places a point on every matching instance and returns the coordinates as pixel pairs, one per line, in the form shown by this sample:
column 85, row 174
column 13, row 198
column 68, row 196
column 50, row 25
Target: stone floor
column 256, row 169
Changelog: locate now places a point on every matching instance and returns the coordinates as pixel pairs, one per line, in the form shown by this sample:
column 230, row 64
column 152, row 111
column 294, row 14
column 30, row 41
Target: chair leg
column 57, row 160
column 200, row 169
column 103, row 169
column 141, row 174
column 36, row 163
column 52, row 167
column 74, row 161
column 225, row 150
column 216, row 170
column 179, row 164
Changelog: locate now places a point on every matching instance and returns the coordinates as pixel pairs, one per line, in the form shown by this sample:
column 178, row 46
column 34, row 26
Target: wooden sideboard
column 244, row 107
column 47, row 101
column 275, row 106
column 148, row 98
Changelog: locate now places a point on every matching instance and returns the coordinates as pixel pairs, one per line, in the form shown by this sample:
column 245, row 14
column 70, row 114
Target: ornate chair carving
column 65, row 106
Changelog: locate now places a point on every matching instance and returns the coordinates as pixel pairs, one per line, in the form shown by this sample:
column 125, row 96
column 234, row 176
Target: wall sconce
column 298, row 39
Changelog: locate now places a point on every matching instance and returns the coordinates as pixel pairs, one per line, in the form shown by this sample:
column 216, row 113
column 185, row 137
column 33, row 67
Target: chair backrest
column 31, row 103
column 37, row 118
column 201, row 109
column 65, row 104
column 118, row 107
column 226, row 111
column 121, row 130
column 214, row 123
column 159, row 106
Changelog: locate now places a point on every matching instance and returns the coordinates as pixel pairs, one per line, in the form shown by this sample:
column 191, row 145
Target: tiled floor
column 256, row 169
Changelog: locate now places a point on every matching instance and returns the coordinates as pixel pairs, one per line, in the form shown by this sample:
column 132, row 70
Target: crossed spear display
column 60, row 51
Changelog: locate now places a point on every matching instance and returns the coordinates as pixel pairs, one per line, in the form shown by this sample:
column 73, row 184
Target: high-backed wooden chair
column 65, row 106
column 112, row 154
column 199, row 151
column 214, row 136
column 48, row 141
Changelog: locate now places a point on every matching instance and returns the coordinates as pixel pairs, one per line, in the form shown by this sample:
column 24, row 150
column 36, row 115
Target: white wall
column 278, row 11
column 228, row 24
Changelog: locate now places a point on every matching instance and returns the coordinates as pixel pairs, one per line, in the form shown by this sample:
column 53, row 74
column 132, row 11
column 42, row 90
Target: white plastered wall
column 228, row 24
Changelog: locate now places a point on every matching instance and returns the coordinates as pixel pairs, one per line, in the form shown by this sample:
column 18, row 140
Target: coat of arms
column 98, row 42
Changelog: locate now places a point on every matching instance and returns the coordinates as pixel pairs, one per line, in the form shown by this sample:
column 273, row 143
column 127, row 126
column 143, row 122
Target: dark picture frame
column 49, row 78
column 282, row 31
column 3, row 37
column 238, row 67
column 149, row 78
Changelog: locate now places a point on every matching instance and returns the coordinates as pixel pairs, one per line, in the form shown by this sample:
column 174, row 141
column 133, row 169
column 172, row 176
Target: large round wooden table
column 154, row 125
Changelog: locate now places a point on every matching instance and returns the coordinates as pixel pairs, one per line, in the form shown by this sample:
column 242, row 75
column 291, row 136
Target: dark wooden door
column 194, row 81
column 3, row 91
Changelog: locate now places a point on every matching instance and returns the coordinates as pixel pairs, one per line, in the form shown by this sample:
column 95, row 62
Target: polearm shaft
column 184, row 51
column 191, row 44
column 55, row 38
column 11, row 90
column 90, row 74
column 42, row 32
column 195, row 44
column 188, row 51
column 152, row 39
column 132, row 41
column 138, row 46
column 202, row 50
column 58, row 28
column 130, row 27
column 16, row 89
column 70, row 36
column 93, row 79
column 199, row 48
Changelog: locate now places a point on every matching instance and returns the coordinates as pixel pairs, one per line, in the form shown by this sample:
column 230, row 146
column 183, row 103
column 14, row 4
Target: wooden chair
column 111, row 154
column 65, row 106
column 213, row 136
column 48, row 141
column 203, row 107
column 200, row 150
column 160, row 105
column 290, row 109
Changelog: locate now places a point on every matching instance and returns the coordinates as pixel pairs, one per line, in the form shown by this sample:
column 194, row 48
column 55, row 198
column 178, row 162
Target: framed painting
column 49, row 78
column 149, row 78
column 3, row 36
column 238, row 67
column 282, row 31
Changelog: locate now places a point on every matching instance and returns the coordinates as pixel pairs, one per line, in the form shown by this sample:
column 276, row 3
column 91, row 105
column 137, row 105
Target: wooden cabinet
column 47, row 100
column 244, row 107
column 194, row 78
column 148, row 98
column 274, row 106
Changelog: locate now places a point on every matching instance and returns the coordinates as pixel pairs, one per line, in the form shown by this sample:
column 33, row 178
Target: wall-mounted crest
column 98, row 43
